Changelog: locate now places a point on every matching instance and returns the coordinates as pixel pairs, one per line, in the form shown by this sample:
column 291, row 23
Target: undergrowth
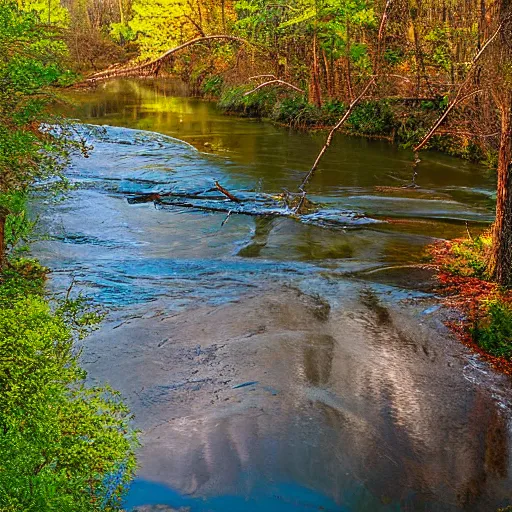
column 63, row 446
column 397, row 120
column 487, row 308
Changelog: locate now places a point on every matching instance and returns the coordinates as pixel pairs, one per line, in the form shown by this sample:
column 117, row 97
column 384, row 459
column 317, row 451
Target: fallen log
column 153, row 66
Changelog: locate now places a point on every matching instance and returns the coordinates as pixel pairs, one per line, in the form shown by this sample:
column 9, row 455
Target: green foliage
column 121, row 33
column 372, row 118
column 297, row 112
column 393, row 56
column 60, row 442
column 257, row 104
column 332, row 111
column 493, row 330
column 18, row 226
column 63, row 447
column 468, row 258
column 31, row 65
column 49, row 11
column 212, row 85
column 440, row 51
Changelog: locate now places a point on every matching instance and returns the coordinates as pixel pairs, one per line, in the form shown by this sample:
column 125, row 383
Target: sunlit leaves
column 60, row 442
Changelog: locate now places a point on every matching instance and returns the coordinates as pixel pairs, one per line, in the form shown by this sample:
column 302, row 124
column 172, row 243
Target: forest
column 326, row 132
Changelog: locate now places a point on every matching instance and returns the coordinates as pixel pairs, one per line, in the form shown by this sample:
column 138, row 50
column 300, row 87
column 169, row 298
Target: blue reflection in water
column 282, row 497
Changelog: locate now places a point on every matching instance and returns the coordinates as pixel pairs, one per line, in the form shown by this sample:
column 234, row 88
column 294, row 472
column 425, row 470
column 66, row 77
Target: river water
column 274, row 362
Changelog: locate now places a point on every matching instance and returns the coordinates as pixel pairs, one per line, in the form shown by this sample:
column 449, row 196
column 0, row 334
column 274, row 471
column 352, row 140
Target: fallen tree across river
column 254, row 204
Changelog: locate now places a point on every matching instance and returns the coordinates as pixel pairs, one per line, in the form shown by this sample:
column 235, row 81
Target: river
column 276, row 363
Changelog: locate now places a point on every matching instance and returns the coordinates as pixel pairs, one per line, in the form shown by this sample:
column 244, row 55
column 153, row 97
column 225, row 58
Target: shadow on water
column 319, row 397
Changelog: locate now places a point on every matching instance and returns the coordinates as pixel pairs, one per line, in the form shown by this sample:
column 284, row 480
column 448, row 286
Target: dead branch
column 227, row 218
column 228, row 194
column 331, row 134
column 355, row 102
column 457, row 98
column 152, row 67
column 274, row 82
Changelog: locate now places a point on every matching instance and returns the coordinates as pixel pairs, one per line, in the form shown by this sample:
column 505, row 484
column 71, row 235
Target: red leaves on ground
column 468, row 295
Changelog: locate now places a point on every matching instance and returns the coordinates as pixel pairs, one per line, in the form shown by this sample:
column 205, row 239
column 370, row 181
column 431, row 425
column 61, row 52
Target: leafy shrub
column 332, row 110
column 212, row 85
column 372, row 118
column 63, row 447
column 468, row 258
column 296, row 111
column 493, row 329
column 257, row 104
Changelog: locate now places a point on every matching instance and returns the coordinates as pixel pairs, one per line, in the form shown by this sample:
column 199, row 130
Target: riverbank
column 486, row 321
column 401, row 121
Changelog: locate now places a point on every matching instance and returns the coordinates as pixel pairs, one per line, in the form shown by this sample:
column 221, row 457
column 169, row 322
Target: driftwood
column 458, row 98
column 228, row 194
column 152, row 67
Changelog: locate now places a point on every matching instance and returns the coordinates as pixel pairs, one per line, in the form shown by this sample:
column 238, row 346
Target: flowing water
column 348, row 408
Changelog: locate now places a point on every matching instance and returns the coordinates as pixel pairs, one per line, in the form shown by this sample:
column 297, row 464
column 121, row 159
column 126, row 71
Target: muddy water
column 277, row 363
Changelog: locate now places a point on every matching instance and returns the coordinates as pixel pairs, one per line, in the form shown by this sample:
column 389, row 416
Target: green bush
column 468, row 258
column 212, row 85
column 372, row 118
column 297, row 112
column 493, row 330
column 332, row 111
column 63, row 447
column 256, row 104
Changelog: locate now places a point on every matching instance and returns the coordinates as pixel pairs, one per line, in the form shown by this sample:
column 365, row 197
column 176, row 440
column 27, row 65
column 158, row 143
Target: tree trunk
column 121, row 12
column 500, row 265
column 316, row 75
column 350, row 93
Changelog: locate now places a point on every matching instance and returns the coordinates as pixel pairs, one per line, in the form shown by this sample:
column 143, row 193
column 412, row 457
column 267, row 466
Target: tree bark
column 500, row 264
column 317, row 93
